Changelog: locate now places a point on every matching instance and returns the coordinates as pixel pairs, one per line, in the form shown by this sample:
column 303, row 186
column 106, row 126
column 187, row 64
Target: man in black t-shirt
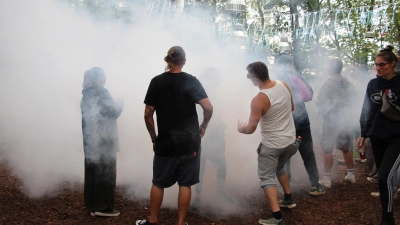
column 173, row 95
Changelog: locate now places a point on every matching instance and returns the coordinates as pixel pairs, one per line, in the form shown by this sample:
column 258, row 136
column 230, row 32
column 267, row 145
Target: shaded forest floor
column 344, row 203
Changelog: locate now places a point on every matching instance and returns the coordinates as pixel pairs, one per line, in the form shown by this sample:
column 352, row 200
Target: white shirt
column 277, row 125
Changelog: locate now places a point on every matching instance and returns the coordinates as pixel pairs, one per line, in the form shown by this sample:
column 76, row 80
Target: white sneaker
column 325, row 182
column 372, row 180
column 375, row 194
column 351, row 179
column 341, row 162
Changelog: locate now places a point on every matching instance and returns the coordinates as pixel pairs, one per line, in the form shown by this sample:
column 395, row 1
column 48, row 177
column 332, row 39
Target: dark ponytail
column 388, row 54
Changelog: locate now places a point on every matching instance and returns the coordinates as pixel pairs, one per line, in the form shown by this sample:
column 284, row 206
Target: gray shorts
column 271, row 162
column 334, row 134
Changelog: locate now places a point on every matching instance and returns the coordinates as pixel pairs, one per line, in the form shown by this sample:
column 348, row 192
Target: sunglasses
column 381, row 65
column 249, row 76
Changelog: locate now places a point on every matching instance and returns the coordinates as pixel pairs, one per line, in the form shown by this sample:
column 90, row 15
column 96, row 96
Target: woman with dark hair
column 383, row 132
column 100, row 143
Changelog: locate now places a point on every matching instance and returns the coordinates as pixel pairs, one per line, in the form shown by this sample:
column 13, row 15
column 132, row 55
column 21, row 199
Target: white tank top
column 277, row 125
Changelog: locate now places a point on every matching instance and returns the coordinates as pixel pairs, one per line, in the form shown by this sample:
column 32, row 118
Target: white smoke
column 45, row 49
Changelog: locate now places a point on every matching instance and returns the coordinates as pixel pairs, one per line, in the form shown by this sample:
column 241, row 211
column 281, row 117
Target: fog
column 45, row 49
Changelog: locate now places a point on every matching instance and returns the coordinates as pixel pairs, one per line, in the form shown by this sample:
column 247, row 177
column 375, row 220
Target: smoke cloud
column 45, row 49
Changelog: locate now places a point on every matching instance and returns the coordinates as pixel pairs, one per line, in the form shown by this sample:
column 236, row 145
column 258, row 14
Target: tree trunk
column 260, row 13
column 295, row 41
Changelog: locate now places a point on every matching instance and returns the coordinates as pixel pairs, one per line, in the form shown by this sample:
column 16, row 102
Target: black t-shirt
column 174, row 97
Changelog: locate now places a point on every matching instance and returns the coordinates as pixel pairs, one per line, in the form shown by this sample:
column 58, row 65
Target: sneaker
column 325, row 183
column 271, row 220
column 92, row 214
column 108, row 213
column 287, row 204
column 221, row 196
column 145, row 222
column 341, row 162
column 372, row 180
column 375, row 194
column 317, row 190
column 351, row 179
column 195, row 205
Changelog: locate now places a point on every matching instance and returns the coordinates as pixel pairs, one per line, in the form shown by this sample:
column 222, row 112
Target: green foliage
column 354, row 30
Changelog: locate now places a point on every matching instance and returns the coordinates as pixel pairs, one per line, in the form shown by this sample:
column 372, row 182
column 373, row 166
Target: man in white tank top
column 272, row 107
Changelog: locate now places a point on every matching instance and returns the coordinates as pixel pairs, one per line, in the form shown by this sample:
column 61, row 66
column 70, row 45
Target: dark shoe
column 287, row 204
column 317, row 190
column 108, row 213
column 145, row 222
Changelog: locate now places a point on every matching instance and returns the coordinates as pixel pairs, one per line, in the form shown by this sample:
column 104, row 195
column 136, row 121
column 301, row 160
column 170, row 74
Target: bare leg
column 185, row 194
column 272, row 196
column 328, row 161
column 284, row 181
column 156, row 198
column 348, row 158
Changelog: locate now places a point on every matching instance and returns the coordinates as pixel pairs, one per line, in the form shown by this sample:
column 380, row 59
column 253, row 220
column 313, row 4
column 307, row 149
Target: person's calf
column 184, row 197
column 348, row 158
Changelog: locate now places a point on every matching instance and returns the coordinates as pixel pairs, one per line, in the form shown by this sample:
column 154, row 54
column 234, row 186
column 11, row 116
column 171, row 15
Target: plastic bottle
column 363, row 157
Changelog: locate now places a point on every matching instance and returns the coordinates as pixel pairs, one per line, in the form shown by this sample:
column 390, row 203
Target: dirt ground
column 344, row 203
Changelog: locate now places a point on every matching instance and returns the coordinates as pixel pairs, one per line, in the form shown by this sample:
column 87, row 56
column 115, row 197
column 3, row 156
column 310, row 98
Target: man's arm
column 148, row 118
column 257, row 110
column 207, row 113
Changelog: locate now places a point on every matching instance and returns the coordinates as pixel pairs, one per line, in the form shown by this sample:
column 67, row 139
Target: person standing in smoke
column 383, row 132
column 302, row 92
column 272, row 107
column 334, row 102
column 173, row 95
column 100, row 141
column 213, row 144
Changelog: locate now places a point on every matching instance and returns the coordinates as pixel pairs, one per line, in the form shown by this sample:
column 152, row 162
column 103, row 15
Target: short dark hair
column 335, row 66
column 259, row 70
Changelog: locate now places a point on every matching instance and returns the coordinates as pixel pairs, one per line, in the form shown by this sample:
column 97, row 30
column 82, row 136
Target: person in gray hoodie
column 100, row 142
column 334, row 101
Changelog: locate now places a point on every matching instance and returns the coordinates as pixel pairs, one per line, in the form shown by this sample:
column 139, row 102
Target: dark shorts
column 335, row 134
column 167, row 170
